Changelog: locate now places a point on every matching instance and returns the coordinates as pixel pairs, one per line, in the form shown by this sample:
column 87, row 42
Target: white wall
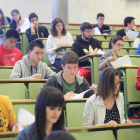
column 43, row 8
column 79, row 10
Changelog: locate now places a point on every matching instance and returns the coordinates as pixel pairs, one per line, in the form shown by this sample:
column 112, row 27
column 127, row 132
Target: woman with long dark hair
column 16, row 23
column 3, row 19
column 107, row 105
column 16, row 20
column 49, row 115
column 58, row 37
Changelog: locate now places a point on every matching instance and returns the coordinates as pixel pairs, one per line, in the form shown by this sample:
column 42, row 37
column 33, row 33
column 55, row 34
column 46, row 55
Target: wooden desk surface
column 6, row 67
column 9, row 133
column 33, row 101
column 23, row 101
column 96, row 35
column 99, row 55
column 125, row 67
column 4, row 26
column 22, row 80
column 90, row 55
column 21, row 32
column 105, row 126
column 123, row 48
column 41, row 38
column 79, row 29
column 130, row 55
column 107, row 40
column 61, row 47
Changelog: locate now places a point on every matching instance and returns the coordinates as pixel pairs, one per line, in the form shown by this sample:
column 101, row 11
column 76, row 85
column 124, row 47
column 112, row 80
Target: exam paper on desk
column 80, row 95
column 25, row 118
column 132, row 35
column 122, row 61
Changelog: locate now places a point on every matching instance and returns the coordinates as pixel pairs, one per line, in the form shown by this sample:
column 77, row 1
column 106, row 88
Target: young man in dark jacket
column 104, row 29
column 85, row 43
column 129, row 25
column 35, row 31
column 67, row 80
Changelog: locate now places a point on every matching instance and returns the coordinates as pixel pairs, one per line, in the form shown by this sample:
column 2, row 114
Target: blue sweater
column 138, row 50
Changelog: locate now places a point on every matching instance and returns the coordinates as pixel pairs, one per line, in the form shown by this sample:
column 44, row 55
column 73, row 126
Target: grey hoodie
column 23, row 69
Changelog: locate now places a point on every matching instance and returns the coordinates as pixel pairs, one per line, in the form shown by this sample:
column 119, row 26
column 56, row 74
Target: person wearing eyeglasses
column 35, row 31
column 85, row 44
column 115, row 46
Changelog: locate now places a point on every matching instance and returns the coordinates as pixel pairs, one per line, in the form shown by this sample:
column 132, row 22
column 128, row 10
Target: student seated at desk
column 138, row 80
column 59, row 37
column 85, row 44
column 7, row 116
column 115, row 46
column 35, row 31
column 59, row 135
column 107, row 105
column 138, row 50
column 9, row 54
column 16, row 23
column 129, row 25
column 3, row 21
column 137, row 41
column 67, row 80
column 104, row 29
column 49, row 115
column 31, row 66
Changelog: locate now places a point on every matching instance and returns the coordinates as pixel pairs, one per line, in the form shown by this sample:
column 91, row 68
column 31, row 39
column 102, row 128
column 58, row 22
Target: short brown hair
column 106, row 85
column 69, row 57
column 52, row 27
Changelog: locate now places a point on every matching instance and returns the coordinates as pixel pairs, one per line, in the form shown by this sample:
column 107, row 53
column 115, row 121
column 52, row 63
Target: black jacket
column 41, row 32
column 104, row 29
column 121, row 32
column 81, row 84
column 79, row 45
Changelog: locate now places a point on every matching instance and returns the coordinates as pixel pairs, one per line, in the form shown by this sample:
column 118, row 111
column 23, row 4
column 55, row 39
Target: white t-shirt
column 61, row 42
column 136, row 42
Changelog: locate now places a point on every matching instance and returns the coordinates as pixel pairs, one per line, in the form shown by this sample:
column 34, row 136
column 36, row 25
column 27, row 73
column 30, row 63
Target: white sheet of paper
column 25, row 118
column 97, row 31
column 122, row 61
column 80, row 95
column 132, row 35
column 100, row 51
column 25, row 25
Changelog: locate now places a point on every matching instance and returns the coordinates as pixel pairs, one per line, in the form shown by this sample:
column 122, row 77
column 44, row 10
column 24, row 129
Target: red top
column 138, row 80
column 9, row 57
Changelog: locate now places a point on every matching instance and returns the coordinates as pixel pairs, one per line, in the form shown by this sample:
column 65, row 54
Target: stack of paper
column 97, row 31
column 25, row 25
column 100, row 51
column 25, row 118
column 122, row 61
column 80, row 95
column 132, row 35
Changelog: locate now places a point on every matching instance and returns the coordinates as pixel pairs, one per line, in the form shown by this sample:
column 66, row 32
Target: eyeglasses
column 120, row 45
column 88, row 32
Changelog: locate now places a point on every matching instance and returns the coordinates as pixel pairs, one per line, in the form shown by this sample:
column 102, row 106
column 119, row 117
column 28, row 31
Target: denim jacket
column 29, row 133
